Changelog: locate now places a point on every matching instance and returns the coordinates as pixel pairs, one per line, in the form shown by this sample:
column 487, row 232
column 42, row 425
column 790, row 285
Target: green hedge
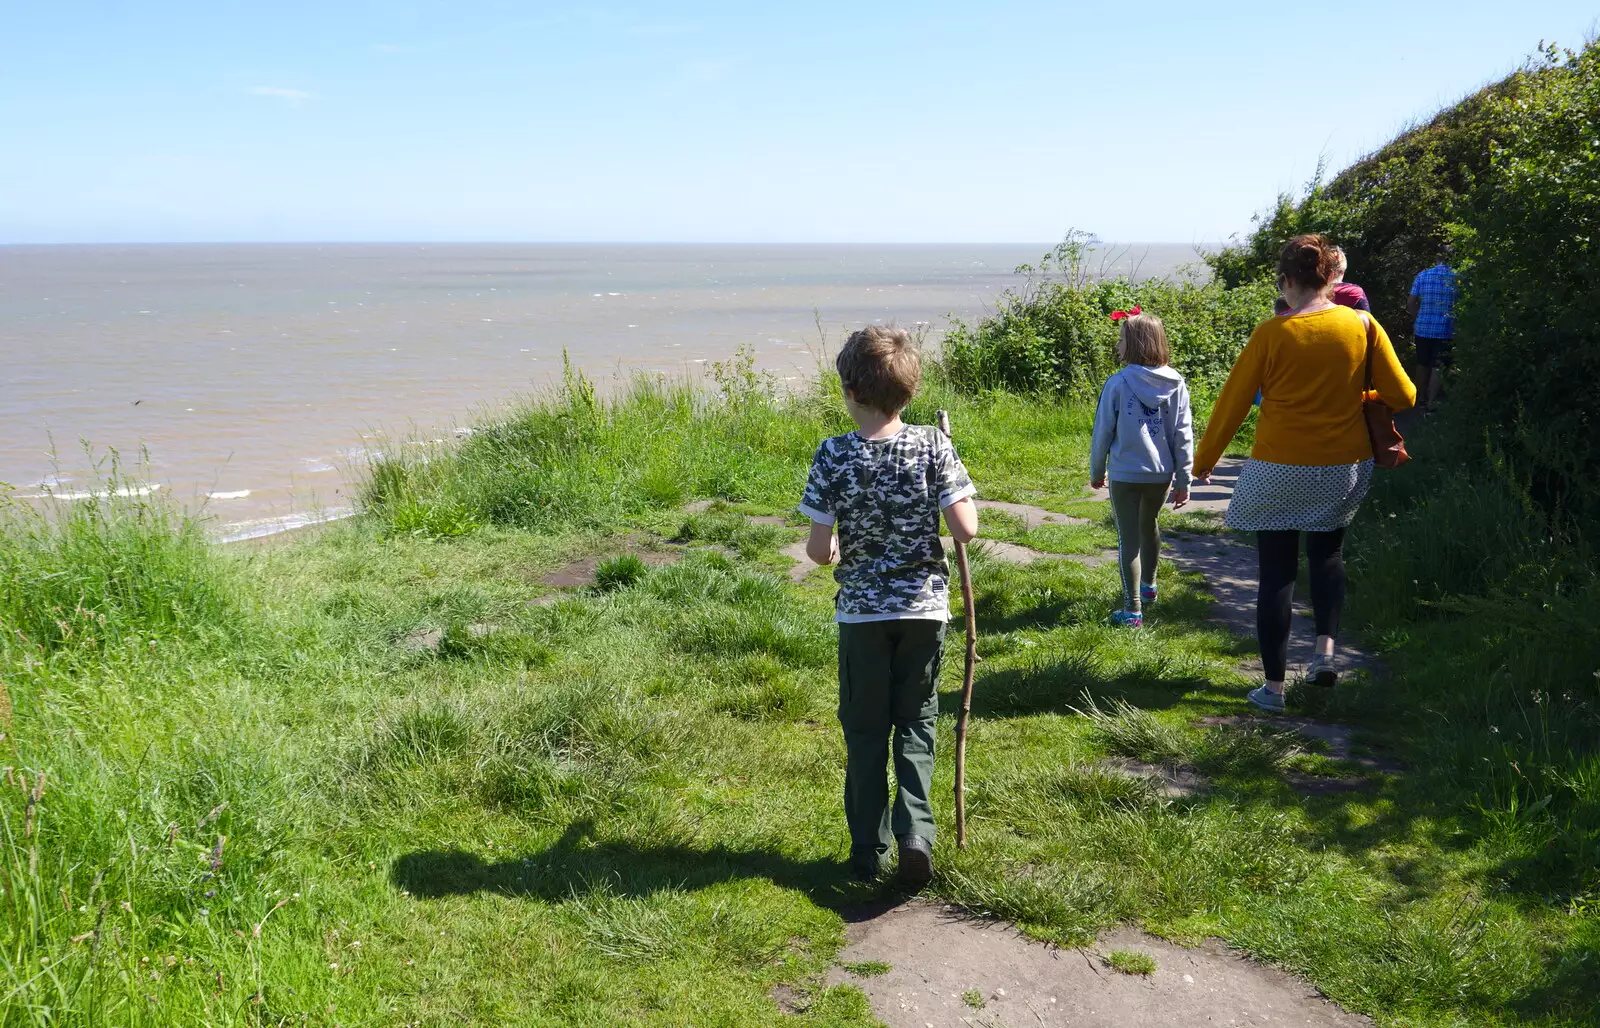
column 1529, row 324
column 1054, row 334
column 1512, row 176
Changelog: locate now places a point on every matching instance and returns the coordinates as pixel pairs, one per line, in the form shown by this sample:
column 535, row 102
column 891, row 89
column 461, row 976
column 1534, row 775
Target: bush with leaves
column 1512, row 175
column 1054, row 334
column 1530, row 318
column 1392, row 209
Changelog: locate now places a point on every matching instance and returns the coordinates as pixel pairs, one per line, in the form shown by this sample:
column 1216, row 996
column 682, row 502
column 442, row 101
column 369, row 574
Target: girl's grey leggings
column 1135, row 505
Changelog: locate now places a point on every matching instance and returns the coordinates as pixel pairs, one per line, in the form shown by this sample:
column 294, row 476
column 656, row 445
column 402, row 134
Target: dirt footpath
column 950, row 971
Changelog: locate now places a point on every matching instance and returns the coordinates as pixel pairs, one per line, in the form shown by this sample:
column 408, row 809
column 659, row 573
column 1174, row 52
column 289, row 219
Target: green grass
column 868, row 968
column 974, row 999
column 262, row 806
column 1131, row 962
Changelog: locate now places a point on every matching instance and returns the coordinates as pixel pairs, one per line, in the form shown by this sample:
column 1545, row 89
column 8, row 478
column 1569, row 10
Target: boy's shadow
column 574, row 865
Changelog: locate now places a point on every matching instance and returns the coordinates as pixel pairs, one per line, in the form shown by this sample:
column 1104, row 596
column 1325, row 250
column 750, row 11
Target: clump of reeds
column 117, row 565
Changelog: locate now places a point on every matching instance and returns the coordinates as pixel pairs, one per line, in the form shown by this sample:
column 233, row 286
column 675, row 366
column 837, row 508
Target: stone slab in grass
column 1213, row 496
column 949, row 969
column 421, row 640
column 1228, row 564
column 428, row 640
column 1171, row 782
column 1006, row 553
column 1337, row 740
column 796, row 551
column 580, row 573
column 1032, row 516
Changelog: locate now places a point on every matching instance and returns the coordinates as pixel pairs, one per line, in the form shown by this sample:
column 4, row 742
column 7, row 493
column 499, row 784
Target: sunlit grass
column 274, row 805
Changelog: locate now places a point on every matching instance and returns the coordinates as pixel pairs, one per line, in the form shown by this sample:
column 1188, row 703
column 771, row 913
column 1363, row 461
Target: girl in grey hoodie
column 1143, row 430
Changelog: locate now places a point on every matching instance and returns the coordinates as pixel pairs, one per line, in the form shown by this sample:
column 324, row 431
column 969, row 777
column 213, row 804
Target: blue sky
column 822, row 121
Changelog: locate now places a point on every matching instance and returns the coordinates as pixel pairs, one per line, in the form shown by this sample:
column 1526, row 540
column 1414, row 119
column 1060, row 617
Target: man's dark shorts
column 1433, row 353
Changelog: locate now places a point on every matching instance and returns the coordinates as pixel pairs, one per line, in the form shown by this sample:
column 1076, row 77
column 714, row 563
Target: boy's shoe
column 865, row 865
column 1266, row 699
column 916, row 862
column 1321, row 672
column 1147, row 594
column 1128, row 619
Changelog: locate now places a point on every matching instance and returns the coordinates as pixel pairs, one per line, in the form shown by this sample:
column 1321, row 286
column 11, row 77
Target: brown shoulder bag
column 1388, row 445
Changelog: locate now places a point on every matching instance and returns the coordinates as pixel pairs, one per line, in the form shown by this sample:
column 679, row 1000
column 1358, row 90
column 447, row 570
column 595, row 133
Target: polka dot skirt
column 1297, row 497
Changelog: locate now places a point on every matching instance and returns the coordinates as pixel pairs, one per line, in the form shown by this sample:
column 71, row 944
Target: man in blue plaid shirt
column 1433, row 305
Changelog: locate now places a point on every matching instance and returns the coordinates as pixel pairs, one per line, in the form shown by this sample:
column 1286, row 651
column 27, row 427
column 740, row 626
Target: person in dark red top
column 1344, row 293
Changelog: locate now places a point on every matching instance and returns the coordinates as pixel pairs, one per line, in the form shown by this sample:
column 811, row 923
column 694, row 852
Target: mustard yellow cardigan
column 1309, row 368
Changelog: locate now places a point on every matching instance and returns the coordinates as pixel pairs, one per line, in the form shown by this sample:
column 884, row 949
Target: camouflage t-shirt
column 885, row 495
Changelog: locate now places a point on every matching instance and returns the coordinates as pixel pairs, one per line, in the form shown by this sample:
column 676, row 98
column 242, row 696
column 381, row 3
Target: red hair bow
column 1119, row 315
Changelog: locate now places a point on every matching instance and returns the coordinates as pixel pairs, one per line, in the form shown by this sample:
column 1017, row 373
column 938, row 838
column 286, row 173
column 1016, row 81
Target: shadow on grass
column 575, row 865
column 1157, row 681
column 1057, row 688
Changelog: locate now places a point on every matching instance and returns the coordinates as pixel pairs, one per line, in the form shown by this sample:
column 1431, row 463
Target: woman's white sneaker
column 1322, row 672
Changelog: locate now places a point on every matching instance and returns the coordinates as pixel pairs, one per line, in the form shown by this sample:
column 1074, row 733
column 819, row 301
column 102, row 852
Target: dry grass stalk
column 34, row 796
column 256, row 932
column 216, row 811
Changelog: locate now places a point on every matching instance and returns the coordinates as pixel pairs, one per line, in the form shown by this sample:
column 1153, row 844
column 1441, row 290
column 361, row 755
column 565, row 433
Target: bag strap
column 1366, row 385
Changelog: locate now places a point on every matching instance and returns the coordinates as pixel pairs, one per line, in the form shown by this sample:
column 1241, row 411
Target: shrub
column 1391, row 209
column 1054, row 334
column 1530, row 318
column 1512, row 174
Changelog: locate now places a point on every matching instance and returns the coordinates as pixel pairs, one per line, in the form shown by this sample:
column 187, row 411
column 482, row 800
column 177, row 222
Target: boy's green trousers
column 888, row 684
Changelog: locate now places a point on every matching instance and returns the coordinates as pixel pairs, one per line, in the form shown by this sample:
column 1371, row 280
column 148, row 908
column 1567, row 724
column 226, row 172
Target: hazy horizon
column 257, row 374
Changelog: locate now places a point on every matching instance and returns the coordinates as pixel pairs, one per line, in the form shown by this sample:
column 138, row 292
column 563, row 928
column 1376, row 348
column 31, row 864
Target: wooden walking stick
column 966, row 678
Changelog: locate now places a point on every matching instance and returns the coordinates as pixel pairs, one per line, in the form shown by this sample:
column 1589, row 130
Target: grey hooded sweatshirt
column 1143, row 426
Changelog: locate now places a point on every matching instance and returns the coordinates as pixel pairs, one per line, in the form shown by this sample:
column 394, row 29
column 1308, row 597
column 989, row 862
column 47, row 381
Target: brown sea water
column 259, row 377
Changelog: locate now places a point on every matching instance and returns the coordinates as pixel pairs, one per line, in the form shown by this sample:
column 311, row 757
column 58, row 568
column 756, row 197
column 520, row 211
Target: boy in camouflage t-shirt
column 883, row 487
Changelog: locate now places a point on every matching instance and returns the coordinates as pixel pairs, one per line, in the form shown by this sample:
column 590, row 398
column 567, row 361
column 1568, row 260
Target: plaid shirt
column 1435, row 290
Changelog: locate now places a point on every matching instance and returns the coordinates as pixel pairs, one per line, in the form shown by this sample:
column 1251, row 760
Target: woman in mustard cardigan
column 1312, row 460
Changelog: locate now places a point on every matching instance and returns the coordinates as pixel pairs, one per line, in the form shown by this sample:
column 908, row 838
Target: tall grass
column 117, row 566
column 141, row 803
column 1486, row 602
column 574, row 459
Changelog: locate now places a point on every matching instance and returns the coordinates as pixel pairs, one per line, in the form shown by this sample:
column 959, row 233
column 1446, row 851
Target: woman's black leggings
column 1279, row 554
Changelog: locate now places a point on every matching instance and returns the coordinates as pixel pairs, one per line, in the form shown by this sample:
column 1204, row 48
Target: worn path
column 1228, row 564
column 950, row 970
column 947, row 969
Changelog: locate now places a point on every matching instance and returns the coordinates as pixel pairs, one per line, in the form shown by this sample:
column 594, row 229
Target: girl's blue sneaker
column 1147, row 594
column 1266, row 699
column 1128, row 619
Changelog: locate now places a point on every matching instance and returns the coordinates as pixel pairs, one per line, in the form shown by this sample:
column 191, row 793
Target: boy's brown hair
column 880, row 367
column 1144, row 341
